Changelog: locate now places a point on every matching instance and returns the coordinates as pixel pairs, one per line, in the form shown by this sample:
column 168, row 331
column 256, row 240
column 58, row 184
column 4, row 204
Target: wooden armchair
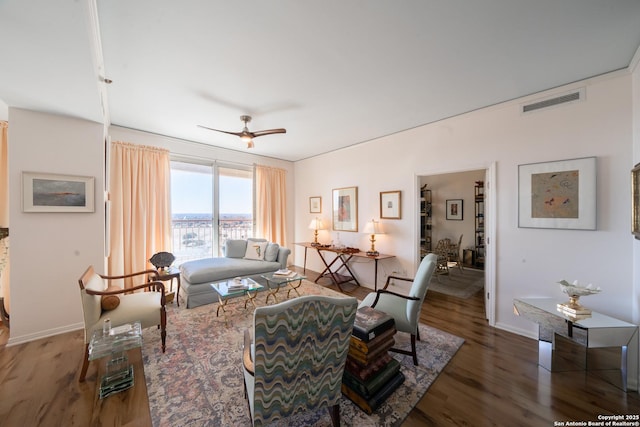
column 128, row 306
column 454, row 253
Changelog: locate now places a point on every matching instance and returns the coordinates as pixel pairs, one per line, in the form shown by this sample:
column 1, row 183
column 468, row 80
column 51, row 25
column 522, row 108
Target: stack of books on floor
column 371, row 375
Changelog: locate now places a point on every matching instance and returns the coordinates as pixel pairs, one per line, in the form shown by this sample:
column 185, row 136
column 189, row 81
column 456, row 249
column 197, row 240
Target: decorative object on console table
column 373, row 227
column 345, row 209
column 315, row 204
column 454, row 209
column 390, row 206
column 371, row 375
column 559, row 194
column 316, row 224
column 575, row 291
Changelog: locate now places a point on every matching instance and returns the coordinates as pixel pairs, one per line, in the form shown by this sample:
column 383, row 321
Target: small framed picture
column 45, row 192
column 390, row 207
column 315, row 204
column 454, row 209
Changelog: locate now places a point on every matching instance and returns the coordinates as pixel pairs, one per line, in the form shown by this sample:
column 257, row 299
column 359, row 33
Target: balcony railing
column 193, row 238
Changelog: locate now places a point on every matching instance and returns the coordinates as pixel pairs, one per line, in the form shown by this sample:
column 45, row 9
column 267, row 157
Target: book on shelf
column 370, row 323
column 369, row 388
column 366, row 358
column 366, row 347
column 365, row 372
column 371, row 404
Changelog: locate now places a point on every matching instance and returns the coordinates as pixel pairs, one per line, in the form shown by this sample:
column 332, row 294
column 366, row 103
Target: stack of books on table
column 284, row 274
column 371, row 375
column 237, row 285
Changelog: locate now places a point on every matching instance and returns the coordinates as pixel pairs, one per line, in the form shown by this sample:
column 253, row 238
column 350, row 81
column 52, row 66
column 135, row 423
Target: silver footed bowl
column 577, row 291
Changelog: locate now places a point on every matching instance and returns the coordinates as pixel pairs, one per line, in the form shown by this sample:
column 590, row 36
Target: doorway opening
column 456, row 207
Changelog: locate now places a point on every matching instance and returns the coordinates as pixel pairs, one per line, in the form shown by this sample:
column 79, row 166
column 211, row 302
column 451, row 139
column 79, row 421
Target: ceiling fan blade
column 223, row 131
column 268, row 132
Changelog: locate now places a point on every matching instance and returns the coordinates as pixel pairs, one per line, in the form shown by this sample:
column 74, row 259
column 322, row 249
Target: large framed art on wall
column 345, row 209
column 559, row 194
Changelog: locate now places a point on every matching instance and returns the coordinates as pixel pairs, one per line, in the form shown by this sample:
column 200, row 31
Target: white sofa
column 238, row 261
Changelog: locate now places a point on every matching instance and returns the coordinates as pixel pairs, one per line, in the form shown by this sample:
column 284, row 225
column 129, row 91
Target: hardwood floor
column 494, row 379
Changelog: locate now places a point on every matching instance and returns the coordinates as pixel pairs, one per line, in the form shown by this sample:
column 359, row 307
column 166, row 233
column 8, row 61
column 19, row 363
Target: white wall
column 49, row 251
column 529, row 262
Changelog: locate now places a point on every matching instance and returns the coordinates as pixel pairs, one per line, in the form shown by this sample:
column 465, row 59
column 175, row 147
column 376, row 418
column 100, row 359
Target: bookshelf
column 425, row 221
column 479, row 225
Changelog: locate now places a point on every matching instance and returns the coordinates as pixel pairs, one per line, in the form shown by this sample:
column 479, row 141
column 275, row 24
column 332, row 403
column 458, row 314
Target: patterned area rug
column 460, row 284
column 199, row 382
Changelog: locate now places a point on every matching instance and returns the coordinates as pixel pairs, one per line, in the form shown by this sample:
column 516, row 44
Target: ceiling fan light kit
column 246, row 135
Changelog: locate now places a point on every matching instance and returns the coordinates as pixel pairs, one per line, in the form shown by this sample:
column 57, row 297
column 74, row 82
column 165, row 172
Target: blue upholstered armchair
column 297, row 357
column 405, row 309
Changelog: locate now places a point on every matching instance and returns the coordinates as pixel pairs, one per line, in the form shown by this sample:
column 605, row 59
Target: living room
column 572, row 131
column 49, row 252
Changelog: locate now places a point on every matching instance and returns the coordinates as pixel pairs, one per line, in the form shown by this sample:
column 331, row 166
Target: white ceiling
column 333, row 73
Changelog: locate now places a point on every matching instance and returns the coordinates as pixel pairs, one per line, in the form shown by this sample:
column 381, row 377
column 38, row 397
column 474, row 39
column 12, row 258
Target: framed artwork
column 454, row 209
column 44, row 192
column 560, row 194
column 345, row 209
column 390, row 205
column 635, row 201
column 315, row 204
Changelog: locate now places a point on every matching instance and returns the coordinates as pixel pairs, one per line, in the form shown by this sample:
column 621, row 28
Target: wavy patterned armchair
column 297, row 358
column 405, row 309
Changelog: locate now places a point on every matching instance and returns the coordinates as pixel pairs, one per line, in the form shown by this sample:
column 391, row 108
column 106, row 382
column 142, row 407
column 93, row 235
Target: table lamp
column 373, row 227
column 316, row 224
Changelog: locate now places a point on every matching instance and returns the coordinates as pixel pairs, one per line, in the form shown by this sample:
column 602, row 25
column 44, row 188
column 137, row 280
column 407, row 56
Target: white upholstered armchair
column 121, row 306
column 405, row 309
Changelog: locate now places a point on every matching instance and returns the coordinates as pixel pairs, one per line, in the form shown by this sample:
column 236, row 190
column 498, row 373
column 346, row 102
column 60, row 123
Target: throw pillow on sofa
column 271, row 253
column 255, row 250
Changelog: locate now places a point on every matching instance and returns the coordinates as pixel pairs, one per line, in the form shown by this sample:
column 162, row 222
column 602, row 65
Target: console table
column 341, row 261
column 595, row 331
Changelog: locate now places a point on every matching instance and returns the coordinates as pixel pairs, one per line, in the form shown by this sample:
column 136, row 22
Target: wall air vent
column 570, row 97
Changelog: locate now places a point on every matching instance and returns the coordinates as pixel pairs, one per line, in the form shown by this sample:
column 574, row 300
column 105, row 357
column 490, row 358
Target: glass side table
column 114, row 345
column 275, row 281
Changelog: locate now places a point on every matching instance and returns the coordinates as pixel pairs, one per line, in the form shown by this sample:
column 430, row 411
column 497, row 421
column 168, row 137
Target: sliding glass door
column 209, row 204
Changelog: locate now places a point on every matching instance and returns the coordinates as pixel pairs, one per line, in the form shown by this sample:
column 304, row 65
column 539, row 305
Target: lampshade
column 373, row 227
column 316, row 224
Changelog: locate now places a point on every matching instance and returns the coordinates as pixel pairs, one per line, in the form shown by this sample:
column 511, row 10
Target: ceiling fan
column 246, row 135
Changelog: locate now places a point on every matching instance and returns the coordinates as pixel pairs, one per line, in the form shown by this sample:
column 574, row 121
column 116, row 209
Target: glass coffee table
column 276, row 281
column 227, row 290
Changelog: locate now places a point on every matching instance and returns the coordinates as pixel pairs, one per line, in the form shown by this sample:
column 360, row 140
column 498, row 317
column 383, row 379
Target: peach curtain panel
column 4, row 212
column 140, row 207
column 271, row 204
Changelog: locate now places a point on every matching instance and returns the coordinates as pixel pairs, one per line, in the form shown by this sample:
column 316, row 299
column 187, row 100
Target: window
column 209, row 205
